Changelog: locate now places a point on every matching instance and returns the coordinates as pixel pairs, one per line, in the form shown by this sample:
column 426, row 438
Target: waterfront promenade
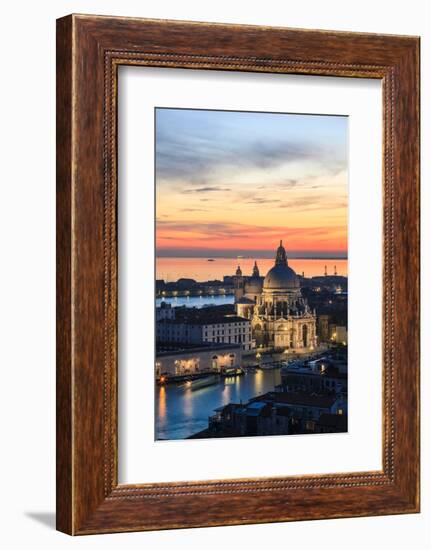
column 182, row 412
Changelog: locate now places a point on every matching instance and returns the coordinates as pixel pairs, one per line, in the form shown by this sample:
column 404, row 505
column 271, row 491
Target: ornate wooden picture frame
column 89, row 51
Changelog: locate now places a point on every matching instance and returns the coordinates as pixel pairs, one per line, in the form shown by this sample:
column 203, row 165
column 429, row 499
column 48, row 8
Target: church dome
column 281, row 276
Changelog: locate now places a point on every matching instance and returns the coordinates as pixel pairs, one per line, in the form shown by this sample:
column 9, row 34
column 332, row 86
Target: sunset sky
column 235, row 183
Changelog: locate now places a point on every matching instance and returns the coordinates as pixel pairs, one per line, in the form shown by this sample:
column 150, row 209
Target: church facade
column 279, row 315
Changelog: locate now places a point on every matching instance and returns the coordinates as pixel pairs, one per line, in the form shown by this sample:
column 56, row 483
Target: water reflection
column 188, row 402
column 183, row 412
column 259, row 379
column 161, row 402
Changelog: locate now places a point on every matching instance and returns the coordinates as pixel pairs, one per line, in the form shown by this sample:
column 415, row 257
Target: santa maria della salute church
column 279, row 315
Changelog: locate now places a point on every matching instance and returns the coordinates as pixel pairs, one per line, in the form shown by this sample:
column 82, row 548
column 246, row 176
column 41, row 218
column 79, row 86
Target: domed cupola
column 281, row 277
column 281, row 256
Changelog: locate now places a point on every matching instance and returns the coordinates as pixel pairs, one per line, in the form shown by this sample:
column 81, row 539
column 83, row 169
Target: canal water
column 181, row 412
column 197, row 301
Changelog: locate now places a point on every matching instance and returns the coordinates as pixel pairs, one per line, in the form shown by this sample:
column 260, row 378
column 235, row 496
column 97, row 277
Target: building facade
column 198, row 360
column 202, row 326
column 319, row 378
column 279, row 315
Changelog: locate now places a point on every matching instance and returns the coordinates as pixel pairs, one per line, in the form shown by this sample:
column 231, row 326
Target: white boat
column 201, row 382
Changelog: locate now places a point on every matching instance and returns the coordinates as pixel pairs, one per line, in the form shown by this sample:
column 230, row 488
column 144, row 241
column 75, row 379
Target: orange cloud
column 231, row 236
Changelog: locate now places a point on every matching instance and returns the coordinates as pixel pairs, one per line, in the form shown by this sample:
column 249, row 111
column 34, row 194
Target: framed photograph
column 237, row 274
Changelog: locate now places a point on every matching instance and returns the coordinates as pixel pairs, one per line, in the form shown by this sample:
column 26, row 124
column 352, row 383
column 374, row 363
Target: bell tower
column 238, row 284
column 256, row 270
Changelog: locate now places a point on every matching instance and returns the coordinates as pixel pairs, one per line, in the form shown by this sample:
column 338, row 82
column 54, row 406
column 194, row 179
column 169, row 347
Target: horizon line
column 330, row 256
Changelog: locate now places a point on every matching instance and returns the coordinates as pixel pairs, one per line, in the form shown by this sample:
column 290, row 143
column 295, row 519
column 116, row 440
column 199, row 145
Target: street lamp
column 259, row 357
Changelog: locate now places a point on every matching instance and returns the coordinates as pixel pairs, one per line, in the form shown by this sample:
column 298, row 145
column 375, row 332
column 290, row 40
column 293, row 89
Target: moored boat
column 232, row 372
column 270, row 366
